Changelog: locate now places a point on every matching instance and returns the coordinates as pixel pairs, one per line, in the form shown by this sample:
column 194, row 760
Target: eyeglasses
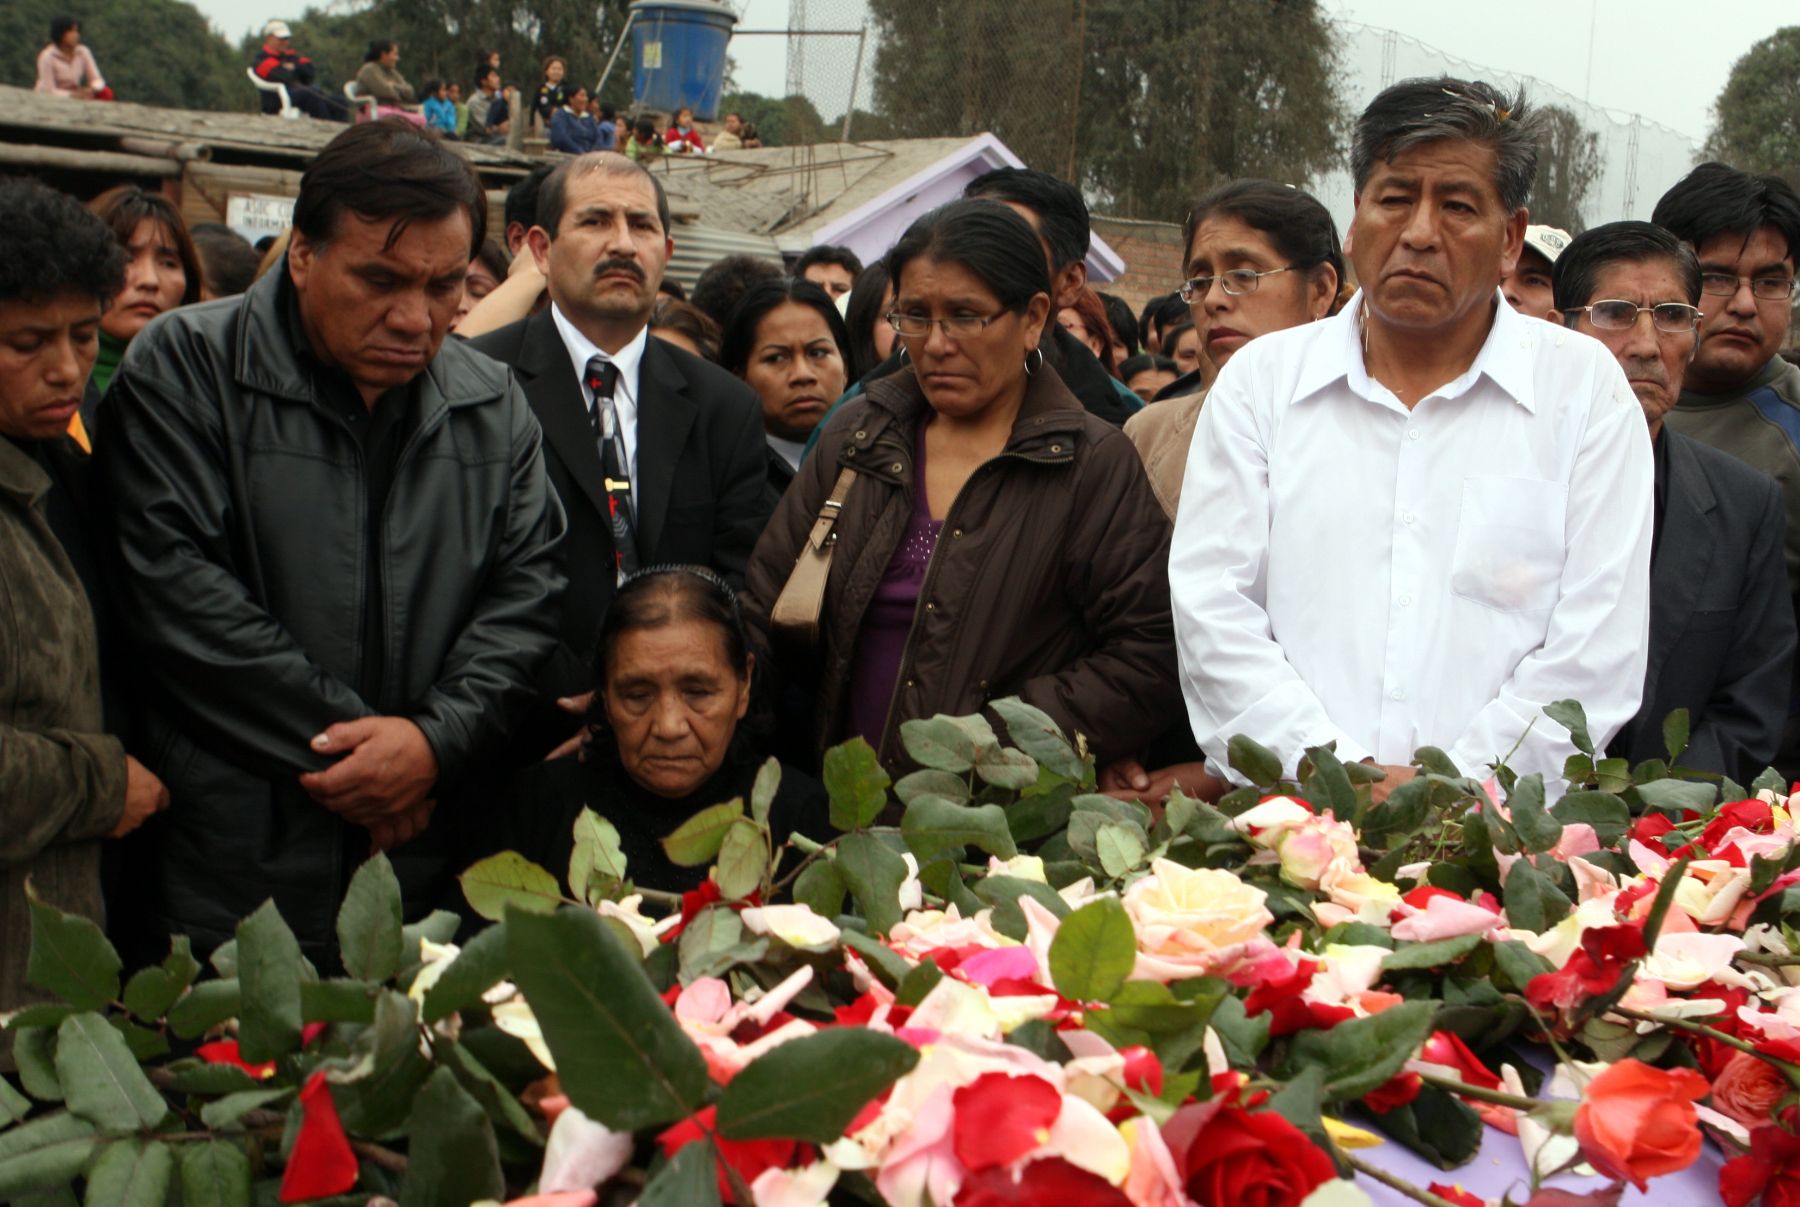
column 957, row 326
column 1616, row 314
column 1724, row 284
column 1237, row 281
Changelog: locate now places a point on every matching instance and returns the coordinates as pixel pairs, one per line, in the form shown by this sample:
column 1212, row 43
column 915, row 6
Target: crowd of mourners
column 406, row 538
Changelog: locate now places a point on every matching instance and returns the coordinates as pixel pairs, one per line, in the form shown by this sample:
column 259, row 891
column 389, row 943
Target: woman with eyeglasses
column 1261, row 257
column 987, row 536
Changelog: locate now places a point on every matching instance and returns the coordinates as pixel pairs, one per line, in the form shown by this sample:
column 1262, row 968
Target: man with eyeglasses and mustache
column 1739, row 395
column 659, row 456
column 1721, row 628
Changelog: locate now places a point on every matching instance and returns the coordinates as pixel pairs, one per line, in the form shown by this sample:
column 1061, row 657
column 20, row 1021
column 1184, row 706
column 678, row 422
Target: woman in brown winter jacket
column 992, row 538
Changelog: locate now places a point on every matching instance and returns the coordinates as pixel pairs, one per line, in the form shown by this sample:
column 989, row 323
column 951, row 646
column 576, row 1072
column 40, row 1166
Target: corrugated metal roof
column 697, row 247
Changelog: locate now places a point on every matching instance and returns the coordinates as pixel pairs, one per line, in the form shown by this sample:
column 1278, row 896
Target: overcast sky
column 1664, row 59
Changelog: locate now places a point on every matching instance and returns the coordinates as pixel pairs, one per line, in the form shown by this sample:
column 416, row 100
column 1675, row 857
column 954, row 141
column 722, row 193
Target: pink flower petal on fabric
column 1000, row 964
column 705, row 1001
column 1445, row 918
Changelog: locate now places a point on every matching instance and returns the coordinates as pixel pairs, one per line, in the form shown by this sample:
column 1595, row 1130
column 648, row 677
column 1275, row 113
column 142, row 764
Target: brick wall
column 1152, row 252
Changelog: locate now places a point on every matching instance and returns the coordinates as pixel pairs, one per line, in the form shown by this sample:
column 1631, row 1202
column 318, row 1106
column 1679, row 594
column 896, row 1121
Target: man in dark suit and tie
column 1721, row 624
column 658, row 455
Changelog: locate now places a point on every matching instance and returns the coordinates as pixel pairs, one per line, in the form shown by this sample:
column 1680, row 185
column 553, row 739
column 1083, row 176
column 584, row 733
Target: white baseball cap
column 1547, row 241
column 277, row 29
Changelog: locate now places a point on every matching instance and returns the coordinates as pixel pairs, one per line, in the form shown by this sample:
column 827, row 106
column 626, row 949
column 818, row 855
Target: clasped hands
column 382, row 780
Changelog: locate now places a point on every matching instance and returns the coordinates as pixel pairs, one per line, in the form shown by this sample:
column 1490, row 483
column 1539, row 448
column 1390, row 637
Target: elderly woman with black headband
column 676, row 728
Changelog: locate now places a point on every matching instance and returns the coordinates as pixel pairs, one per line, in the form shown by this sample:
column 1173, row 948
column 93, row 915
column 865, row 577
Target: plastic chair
column 280, row 90
column 369, row 105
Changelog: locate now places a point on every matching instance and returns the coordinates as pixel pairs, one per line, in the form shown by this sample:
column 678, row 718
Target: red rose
column 1638, row 1122
column 1239, row 1158
column 1594, row 969
column 1752, row 815
column 1046, row 1180
column 1398, row 1091
column 1279, row 997
column 1771, row 1169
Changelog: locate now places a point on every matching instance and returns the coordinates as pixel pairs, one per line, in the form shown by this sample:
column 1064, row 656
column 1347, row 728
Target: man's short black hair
column 1577, row 271
column 1062, row 214
column 51, row 245
column 828, row 253
column 553, row 197
column 389, row 171
column 1121, row 320
column 1163, row 311
column 1716, row 199
column 522, row 198
column 484, row 71
column 725, row 282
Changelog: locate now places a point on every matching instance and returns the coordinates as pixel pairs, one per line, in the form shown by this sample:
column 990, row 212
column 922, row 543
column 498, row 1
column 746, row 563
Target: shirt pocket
column 1509, row 543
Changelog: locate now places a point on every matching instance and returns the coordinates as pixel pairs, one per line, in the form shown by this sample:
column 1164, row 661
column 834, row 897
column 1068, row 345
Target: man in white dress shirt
column 1420, row 521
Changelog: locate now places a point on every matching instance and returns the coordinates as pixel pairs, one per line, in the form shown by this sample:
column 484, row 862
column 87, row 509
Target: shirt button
column 1412, row 433
column 1406, row 601
column 955, row 532
column 1407, row 517
column 1397, row 694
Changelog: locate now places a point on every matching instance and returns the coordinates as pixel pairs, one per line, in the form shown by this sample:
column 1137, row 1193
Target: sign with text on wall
column 257, row 215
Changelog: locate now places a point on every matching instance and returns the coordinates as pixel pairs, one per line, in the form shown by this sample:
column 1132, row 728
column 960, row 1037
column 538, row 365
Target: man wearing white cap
column 278, row 63
column 1527, row 285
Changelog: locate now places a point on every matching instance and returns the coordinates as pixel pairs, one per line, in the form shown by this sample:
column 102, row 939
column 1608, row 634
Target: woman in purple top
column 996, row 539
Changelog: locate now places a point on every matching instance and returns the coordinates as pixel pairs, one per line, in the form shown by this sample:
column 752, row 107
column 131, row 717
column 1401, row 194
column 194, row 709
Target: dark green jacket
column 244, row 559
column 62, row 781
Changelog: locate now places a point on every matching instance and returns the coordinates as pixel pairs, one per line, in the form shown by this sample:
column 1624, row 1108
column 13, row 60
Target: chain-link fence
column 1131, row 97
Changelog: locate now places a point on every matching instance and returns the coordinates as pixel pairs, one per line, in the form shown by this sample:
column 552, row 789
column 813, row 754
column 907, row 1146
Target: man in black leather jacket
column 336, row 550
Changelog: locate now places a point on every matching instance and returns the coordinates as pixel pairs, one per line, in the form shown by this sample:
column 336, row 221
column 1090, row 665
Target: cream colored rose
column 1192, row 921
column 795, row 925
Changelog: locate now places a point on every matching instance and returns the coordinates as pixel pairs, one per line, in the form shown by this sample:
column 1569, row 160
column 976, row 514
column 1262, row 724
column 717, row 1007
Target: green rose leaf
column 856, row 784
column 821, row 888
column 762, row 792
column 70, row 957
column 1675, row 733
column 501, row 1104
column 1609, row 815
column 477, row 968
column 1572, row 717
column 811, row 1088
column 743, row 859
column 938, row 742
column 1031, row 730
column 1255, row 762
column 151, row 991
column 190, row 1076
column 101, row 1078
column 1121, row 847
column 1005, row 767
column 696, row 841
column 376, row 1093
column 930, row 783
column 205, row 1006
column 337, row 1001
column 14, row 1106
column 933, row 825
column 222, row 1114
column 269, row 979
column 1537, row 829
column 369, row 923
column 1533, row 902
column 508, row 879
column 888, row 967
column 688, row 1180
column 453, row 1158
column 44, row 1155
column 597, row 864
column 1094, row 951
column 1359, row 1055
column 1430, row 955
column 874, row 874
column 130, row 1173
column 34, row 1051
column 1677, row 796
column 1518, row 964
column 621, row 1056
column 214, row 1174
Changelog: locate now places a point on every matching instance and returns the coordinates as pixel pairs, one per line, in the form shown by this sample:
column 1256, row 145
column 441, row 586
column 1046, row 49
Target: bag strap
column 802, row 601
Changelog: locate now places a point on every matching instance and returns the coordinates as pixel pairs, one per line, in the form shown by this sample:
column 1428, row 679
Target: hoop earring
column 1031, row 368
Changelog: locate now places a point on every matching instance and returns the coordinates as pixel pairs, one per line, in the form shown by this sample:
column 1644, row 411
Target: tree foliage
column 1149, row 102
column 781, row 121
column 1568, row 166
column 156, row 52
column 1756, row 120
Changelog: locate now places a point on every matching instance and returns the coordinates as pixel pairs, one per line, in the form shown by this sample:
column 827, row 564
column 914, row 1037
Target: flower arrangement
column 1025, row 992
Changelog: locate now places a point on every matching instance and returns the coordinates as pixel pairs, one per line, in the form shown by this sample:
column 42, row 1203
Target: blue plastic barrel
column 678, row 54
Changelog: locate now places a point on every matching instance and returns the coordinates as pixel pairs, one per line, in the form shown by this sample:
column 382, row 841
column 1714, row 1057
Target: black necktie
column 603, row 380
